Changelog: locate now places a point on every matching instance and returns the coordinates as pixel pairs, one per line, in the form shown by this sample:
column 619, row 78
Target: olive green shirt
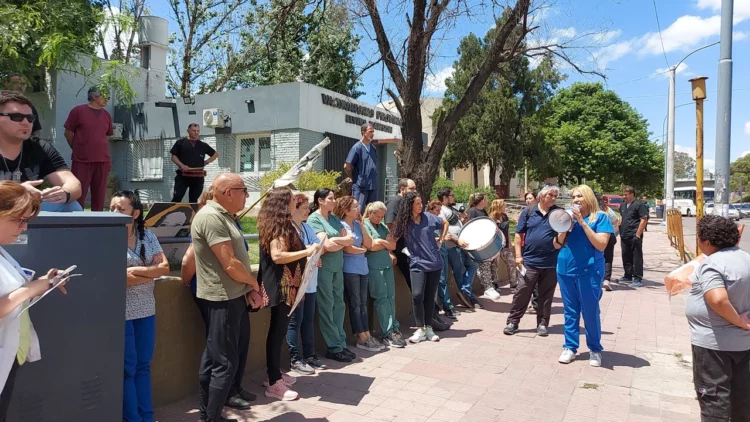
column 332, row 261
column 381, row 259
column 213, row 225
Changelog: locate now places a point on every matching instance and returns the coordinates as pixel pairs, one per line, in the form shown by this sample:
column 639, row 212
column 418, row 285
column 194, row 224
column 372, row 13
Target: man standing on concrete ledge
column 634, row 220
column 224, row 281
column 86, row 130
column 362, row 167
column 189, row 153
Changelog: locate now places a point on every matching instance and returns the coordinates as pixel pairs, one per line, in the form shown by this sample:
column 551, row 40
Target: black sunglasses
column 242, row 189
column 18, row 117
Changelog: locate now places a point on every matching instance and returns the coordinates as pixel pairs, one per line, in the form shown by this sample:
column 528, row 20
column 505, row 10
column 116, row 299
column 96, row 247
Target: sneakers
column 316, row 363
column 430, row 335
column 636, row 283
column 466, row 301
column 377, row 343
column 281, row 391
column 596, row 359
column 492, row 294
column 476, row 304
column 510, row 329
column 418, row 336
column 624, row 280
column 452, row 314
column 288, row 380
column 339, row 357
column 392, row 341
column 349, row 353
column 367, row 345
column 566, row 356
column 541, row 330
column 301, row 367
column 607, row 286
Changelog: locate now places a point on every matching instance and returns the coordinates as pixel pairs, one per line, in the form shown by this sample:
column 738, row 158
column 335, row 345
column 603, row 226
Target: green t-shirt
column 213, row 225
column 332, row 261
column 378, row 260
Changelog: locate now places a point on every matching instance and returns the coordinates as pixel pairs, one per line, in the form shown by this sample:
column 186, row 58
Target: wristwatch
column 67, row 196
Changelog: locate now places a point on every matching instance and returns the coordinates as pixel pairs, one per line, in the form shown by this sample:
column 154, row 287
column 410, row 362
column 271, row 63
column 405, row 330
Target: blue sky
column 625, row 43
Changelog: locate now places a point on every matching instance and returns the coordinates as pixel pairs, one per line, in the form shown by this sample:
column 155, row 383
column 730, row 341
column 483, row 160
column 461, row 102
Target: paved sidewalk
column 475, row 373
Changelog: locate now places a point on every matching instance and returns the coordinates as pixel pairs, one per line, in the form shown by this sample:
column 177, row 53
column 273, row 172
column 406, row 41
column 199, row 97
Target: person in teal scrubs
column 580, row 271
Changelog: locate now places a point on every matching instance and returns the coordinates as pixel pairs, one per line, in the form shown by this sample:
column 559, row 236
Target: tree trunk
column 493, row 173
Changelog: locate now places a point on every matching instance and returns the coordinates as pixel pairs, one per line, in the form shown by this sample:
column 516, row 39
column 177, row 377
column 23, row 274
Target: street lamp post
column 670, row 135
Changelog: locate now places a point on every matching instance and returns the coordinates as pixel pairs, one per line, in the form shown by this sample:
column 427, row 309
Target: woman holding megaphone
column 580, row 271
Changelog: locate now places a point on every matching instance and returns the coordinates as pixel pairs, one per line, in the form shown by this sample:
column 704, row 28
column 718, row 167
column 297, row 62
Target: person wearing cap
column 87, row 130
column 362, row 168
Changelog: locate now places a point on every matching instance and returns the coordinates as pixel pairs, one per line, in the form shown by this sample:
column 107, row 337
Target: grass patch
column 250, row 226
column 590, row 386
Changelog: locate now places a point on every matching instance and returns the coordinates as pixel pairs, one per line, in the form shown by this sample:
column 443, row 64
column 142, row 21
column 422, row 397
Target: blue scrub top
column 364, row 163
column 579, row 256
column 420, row 241
column 538, row 250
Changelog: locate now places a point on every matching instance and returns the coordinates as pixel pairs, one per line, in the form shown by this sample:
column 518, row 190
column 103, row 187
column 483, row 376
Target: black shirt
column 631, row 217
column 38, row 159
column 504, row 225
column 392, row 208
column 280, row 282
column 474, row 212
column 192, row 156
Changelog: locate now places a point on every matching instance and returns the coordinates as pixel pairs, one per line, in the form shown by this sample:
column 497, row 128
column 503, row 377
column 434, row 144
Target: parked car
column 734, row 211
column 613, row 201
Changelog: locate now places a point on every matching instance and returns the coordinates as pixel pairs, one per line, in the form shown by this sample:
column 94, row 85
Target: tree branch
column 384, row 46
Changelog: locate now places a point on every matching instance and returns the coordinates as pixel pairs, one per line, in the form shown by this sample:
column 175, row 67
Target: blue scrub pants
column 580, row 295
column 364, row 196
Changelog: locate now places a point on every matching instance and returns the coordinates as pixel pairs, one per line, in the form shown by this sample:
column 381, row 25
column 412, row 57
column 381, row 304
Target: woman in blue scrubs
column 580, row 270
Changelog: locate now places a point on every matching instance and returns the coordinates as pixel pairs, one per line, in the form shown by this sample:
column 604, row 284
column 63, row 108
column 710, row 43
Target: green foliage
column 502, row 127
column 308, row 181
column 591, row 134
column 293, row 43
column 461, row 191
column 684, row 166
column 739, row 174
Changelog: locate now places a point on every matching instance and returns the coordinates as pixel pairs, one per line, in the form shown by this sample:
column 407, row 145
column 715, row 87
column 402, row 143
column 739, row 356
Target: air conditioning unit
column 116, row 132
column 213, row 117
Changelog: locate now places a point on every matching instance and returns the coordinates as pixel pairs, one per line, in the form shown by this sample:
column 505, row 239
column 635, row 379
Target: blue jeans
column 464, row 269
column 71, row 207
column 443, row 294
column 580, row 296
column 140, row 337
column 302, row 323
column 364, row 196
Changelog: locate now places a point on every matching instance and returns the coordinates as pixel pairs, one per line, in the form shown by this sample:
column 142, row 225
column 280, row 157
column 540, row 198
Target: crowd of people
column 362, row 240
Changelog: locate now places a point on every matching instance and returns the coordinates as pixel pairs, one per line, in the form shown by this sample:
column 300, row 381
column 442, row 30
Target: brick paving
column 475, row 373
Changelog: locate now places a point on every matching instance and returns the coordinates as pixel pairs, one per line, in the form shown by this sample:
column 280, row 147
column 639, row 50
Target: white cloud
column 663, row 71
column 564, row 32
column 607, row 37
column 744, row 153
column 611, row 53
column 685, row 33
column 436, row 83
column 741, row 8
column 708, row 164
column 747, row 128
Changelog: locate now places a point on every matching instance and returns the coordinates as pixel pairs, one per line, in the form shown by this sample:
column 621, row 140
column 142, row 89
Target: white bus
column 684, row 199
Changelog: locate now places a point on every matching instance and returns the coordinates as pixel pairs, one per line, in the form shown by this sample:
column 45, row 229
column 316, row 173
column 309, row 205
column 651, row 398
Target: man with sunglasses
column 28, row 160
column 87, row 129
column 17, row 82
column 224, row 281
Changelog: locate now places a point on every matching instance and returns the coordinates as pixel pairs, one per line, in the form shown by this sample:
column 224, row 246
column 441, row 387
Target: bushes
column 308, row 181
column 462, row 190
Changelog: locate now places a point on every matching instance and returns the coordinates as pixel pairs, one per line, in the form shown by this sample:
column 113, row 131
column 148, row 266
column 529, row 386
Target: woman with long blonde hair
column 580, row 270
column 487, row 277
column 497, row 213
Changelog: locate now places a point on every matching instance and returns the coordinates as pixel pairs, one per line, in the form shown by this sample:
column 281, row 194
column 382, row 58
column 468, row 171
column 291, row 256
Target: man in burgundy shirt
column 86, row 130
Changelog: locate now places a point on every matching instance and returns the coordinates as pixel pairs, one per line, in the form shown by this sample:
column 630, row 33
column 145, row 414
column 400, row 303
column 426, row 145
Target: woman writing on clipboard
column 20, row 343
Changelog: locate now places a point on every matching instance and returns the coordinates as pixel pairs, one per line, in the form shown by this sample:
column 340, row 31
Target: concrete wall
column 180, row 337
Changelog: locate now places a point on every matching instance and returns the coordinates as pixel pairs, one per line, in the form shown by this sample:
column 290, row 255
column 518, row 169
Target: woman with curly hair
column 717, row 311
column 282, row 263
column 487, row 277
column 497, row 214
column 356, row 273
column 425, row 263
column 145, row 261
column 330, row 299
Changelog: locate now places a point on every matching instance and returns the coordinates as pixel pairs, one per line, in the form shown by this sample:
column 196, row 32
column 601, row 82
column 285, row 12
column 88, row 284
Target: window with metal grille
column 146, row 160
column 255, row 154
column 247, row 155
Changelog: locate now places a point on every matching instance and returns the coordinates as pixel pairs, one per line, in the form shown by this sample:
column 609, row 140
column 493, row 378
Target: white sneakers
column 492, row 294
column 423, row 334
column 568, row 356
column 596, row 359
column 430, row 335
